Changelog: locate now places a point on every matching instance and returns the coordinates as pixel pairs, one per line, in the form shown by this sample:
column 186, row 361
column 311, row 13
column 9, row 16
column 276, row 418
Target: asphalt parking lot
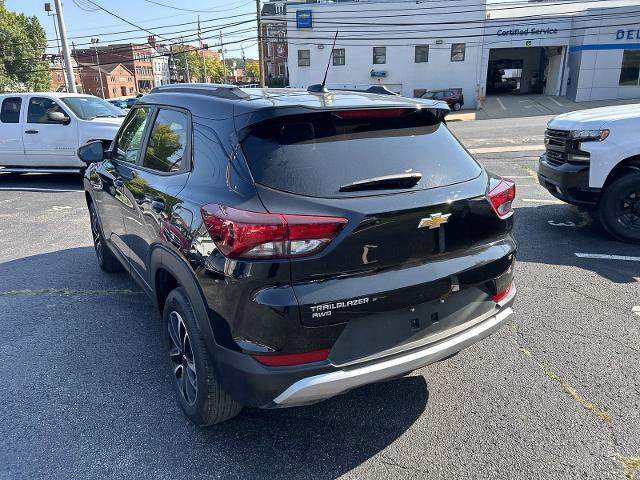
column 555, row 394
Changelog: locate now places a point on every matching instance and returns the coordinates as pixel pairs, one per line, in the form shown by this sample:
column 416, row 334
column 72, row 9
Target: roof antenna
column 321, row 88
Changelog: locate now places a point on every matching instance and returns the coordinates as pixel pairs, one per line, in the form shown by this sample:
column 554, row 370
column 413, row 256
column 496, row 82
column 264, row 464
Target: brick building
column 117, row 81
column 274, row 42
column 136, row 58
column 58, row 76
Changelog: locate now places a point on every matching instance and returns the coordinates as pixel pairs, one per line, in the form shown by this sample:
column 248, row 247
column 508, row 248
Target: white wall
column 400, row 41
column 596, row 70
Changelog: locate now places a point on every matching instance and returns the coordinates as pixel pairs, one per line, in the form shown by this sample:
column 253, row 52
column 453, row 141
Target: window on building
column 630, row 73
column 167, row 142
column 304, row 58
column 338, row 56
column 113, row 90
column 379, row 55
column 457, row 52
column 10, row 111
column 421, row 54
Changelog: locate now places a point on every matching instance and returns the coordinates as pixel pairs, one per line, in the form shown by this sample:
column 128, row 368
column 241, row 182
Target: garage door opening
column 526, row 70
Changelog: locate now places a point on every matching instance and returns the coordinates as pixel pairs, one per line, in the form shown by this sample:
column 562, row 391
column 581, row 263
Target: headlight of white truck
column 589, row 135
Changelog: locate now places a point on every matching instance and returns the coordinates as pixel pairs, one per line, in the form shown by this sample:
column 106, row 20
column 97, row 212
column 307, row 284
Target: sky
column 163, row 21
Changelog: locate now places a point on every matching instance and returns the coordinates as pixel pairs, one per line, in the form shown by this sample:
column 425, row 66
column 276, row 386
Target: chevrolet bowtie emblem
column 434, row 220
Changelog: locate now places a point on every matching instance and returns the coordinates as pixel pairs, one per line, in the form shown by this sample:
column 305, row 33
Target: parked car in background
column 293, row 254
column 592, row 159
column 119, row 103
column 131, row 101
column 42, row 131
column 453, row 97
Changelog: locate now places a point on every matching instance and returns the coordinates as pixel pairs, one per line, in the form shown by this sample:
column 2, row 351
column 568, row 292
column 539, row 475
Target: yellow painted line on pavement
column 461, row 117
column 540, row 200
column 508, row 148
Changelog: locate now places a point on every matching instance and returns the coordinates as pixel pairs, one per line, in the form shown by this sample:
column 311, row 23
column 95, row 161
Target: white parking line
column 501, row 104
column 636, row 310
column 540, row 200
column 555, row 101
column 604, row 256
column 33, row 189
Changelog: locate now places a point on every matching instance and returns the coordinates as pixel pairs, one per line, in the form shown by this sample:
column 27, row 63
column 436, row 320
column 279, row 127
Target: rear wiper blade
column 398, row 180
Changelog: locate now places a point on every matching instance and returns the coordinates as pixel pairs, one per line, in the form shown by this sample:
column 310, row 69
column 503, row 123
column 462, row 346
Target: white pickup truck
column 43, row 131
column 592, row 159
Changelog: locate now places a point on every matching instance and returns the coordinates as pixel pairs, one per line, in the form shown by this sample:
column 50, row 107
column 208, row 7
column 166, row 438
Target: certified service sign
column 304, row 19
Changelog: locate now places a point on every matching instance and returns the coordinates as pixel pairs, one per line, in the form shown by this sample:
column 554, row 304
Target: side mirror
column 58, row 117
column 92, row 152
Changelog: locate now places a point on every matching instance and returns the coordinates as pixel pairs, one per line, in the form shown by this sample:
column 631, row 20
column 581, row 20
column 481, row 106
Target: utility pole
column 71, row 82
column 224, row 65
column 48, row 9
column 185, row 54
column 204, row 62
column 95, row 46
column 73, row 49
column 260, row 61
column 202, row 48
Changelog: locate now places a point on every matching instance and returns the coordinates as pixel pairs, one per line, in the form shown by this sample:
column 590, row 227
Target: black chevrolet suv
column 300, row 244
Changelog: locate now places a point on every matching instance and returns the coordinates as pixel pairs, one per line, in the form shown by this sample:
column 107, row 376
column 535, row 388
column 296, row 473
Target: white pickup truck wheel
column 620, row 208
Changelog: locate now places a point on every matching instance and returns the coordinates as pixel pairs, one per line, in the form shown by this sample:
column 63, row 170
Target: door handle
column 31, row 132
column 118, row 183
column 157, row 205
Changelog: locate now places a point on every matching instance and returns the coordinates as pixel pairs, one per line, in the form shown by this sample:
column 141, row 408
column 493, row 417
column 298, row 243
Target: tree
column 187, row 55
column 252, row 70
column 22, row 46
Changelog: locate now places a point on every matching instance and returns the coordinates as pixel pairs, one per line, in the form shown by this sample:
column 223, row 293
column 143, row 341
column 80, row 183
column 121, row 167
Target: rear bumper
column 325, row 385
column 567, row 182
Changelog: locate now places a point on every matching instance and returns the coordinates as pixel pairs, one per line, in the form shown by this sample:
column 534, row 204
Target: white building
column 576, row 49
column 160, row 61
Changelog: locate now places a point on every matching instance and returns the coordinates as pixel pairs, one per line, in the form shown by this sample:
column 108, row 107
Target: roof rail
column 220, row 90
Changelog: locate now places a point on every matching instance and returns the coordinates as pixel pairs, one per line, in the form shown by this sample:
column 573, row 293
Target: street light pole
column 48, row 9
column 95, row 47
column 71, row 82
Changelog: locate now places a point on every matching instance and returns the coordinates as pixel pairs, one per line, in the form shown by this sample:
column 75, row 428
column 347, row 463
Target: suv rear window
column 315, row 154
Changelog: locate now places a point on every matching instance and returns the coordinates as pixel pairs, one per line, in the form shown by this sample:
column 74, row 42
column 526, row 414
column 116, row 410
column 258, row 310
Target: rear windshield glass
column 315, row 154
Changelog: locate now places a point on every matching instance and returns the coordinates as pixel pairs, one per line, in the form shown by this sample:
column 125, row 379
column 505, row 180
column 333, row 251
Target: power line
column 199, row 11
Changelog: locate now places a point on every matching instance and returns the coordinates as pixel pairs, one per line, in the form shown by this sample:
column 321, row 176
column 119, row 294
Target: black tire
column 457, row 106
column 200, row 394
column 619, row 209
column 106, row 259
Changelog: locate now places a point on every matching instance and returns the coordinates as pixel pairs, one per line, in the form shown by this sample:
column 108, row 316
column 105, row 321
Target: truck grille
column 557, row 146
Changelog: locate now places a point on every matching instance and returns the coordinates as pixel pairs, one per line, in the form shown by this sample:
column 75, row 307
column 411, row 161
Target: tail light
column 502, row 294
column 501, row 197
column 293, row 358
column 244, row 234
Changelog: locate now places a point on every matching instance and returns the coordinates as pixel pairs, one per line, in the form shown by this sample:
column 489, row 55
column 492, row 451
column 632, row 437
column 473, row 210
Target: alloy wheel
column 182, row 359
column 629, row 210
column 95, row 233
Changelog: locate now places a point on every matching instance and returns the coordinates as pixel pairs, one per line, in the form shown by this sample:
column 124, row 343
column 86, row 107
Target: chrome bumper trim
column 326, row 385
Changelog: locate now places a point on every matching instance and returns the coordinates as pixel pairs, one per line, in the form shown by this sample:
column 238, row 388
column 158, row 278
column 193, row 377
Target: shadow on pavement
column 40, row 181
column 94, row 393
column 553, row 234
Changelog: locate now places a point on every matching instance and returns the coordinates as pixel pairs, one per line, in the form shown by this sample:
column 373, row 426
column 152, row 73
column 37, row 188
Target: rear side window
column 129, row 141
column 315, row 154
column 167, row 142
column 10, row 112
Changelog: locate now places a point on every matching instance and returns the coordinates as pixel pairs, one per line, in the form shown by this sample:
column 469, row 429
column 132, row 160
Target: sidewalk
column 518, row 106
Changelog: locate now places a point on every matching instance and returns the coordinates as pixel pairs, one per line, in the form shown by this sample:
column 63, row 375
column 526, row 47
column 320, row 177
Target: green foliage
column 214, row 67
column 252, row 70
column 22, row 45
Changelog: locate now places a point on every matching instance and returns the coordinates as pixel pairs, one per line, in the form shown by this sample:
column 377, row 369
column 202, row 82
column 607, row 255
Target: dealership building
column 580, row 50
